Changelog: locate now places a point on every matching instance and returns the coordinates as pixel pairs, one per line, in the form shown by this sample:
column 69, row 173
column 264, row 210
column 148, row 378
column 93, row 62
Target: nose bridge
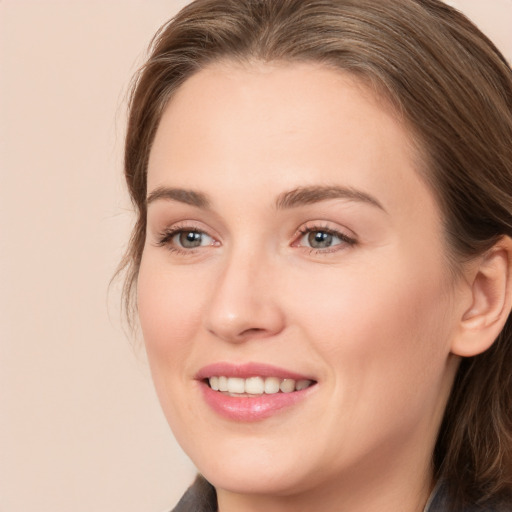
column 244, row 304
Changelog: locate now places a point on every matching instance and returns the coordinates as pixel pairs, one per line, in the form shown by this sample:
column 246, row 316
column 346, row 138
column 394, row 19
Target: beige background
column 80, row 427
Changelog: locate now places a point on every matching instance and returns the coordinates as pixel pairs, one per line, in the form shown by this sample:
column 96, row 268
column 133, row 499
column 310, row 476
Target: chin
column 251, row 472
column 250, row 480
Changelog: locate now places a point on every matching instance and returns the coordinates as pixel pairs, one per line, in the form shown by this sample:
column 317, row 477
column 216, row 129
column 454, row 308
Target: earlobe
column 491, row 294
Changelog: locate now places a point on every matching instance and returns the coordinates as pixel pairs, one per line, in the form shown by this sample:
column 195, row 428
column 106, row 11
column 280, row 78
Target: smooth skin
column 350, row 285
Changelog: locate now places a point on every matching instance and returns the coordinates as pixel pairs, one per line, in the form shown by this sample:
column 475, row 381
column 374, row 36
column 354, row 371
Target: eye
column 191, row 239
column 184, row 239
column 323, row 239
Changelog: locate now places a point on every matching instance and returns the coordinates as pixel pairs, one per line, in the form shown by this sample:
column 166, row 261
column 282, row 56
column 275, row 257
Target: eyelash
column 307, row 229
column 166, row 236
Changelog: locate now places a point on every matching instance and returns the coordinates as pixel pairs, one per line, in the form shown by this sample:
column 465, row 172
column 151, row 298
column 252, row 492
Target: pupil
column 190, row 239
column 320, row 239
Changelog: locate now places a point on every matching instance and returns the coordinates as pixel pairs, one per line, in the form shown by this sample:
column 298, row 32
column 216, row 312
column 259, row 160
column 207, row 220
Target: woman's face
column 292, row 245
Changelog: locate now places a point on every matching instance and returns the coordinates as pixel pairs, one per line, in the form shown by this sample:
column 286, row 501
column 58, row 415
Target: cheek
column 170, row 316
column 384, row 330
column 169, row 313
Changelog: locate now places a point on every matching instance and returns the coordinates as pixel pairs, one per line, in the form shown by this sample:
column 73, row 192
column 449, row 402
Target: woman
column 322, row 253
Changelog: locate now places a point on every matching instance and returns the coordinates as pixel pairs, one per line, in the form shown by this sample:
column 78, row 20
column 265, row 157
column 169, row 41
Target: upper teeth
column 257, row 385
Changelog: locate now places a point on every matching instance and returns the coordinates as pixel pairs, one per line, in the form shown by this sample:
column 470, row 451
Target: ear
column 491, row 301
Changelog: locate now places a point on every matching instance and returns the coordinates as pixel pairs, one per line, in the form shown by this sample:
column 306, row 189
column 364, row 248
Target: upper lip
column 246, row 370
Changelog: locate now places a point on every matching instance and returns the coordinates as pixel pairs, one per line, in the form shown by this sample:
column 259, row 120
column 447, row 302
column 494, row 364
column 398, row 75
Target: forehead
column 278, row 126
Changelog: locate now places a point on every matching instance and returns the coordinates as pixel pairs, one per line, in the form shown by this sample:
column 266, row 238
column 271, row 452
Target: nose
column 245, row 303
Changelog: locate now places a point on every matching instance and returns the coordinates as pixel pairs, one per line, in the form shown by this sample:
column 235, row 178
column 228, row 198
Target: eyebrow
column 308, row 195
column 291, row 199
column 181, row 195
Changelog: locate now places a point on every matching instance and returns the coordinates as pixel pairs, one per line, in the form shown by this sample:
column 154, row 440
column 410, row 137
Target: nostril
column 253, row 332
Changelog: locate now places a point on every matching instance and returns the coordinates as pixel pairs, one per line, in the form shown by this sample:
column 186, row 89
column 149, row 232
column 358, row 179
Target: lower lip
column 242, row 408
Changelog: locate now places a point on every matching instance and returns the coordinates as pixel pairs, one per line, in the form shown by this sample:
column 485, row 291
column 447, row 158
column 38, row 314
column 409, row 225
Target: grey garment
column 201, row 497
column 438, row 502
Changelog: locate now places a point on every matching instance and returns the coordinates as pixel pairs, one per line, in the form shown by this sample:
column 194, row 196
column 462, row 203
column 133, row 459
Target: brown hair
column 451, row 85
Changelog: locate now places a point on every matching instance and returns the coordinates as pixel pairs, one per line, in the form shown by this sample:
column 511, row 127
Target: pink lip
column 249, row 409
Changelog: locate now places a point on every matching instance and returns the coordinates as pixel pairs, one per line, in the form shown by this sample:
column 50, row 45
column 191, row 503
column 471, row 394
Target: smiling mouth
column 256, row 386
